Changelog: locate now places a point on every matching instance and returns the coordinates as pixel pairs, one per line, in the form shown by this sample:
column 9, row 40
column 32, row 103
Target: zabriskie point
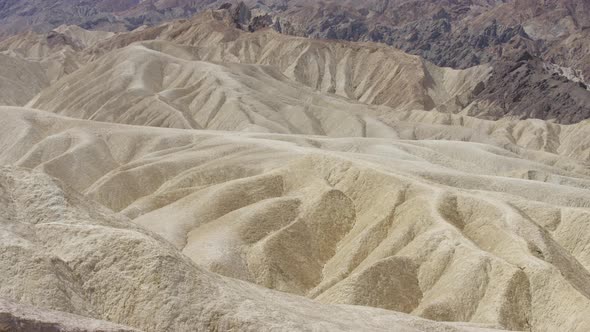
column 374, row 165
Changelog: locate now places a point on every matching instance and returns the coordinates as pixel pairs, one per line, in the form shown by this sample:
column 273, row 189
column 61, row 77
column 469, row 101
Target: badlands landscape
column 211, row 166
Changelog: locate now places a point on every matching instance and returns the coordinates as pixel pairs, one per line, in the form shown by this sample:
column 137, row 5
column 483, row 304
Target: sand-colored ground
column 193, row 176
column 446, row 230
column 63, row 252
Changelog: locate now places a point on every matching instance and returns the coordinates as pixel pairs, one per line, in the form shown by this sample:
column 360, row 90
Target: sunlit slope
column 63, row 252
column 367, row 72
column 452, row 231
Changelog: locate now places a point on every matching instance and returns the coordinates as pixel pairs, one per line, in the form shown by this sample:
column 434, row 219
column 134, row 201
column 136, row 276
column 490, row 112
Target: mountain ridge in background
column 457, row 34
column 520, row 84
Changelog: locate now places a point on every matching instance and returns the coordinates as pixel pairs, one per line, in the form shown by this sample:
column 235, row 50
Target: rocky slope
column 16, row 317
column 20, row 79
column 214, row 174
column 526, row 87
column 519, row 85
column 30, row 62
column 447, row 33
column 280, row 84
column 42, row 16
column 58, row 52
column 64, row 252
column 475, row 233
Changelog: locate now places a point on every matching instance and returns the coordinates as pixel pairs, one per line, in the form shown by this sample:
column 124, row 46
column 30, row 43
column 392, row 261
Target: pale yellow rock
column 446, row 230
column 20, row 79
column 292, row 184
column 168, row 78
column 61, row 251
column 16, row 317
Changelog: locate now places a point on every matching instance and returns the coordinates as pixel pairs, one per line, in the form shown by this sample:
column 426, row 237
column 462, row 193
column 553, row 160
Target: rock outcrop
column 15, row 317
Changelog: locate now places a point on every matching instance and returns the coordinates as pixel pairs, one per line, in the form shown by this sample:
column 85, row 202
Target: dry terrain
column 194, row 176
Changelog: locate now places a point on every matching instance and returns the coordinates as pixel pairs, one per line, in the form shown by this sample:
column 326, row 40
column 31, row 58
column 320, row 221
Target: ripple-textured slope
column 160, row 84
column 370, row 73
column 62, row 252
column 445, row 230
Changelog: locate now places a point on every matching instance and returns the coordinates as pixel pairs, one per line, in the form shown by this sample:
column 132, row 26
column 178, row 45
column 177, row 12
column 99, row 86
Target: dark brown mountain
column 455, row 33
column 527, row 87
column 458, row 34
column 111, row 15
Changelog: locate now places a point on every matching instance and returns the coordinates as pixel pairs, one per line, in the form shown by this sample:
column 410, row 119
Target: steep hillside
column 266, row 166
column 449, row 33
column 518, row 81
column 158, row 83
column 475, row 232
column 370, row 73
column 63, row 252
column 520, row 85
column 459, row 34
column 30, row 62
column 42, row 16
column 20, row 80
